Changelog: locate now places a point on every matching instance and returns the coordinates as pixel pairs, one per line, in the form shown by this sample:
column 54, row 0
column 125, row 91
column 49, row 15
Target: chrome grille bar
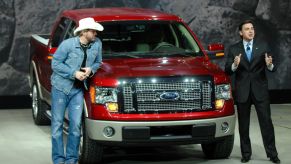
column 167, row 95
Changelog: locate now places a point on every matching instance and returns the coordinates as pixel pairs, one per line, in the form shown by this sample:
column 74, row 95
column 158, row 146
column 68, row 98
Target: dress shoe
column 245, row 159
column 275, row 159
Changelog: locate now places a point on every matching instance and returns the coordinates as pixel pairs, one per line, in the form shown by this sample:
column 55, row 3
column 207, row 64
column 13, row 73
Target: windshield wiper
column 120, row 54
column 182, row 53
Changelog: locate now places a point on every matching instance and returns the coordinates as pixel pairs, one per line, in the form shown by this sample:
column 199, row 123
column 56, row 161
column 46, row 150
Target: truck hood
column 115, row 68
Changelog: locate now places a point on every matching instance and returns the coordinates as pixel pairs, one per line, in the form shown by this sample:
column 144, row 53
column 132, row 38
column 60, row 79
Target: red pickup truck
column 156, row 85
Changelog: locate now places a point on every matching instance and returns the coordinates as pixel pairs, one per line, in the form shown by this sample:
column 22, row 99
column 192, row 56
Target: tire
column 90, row 151
column 39, row 107
column 219, row 149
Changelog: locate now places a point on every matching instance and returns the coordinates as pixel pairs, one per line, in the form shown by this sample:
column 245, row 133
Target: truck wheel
column 39, row 107
column 90, row 151
column 219, row 149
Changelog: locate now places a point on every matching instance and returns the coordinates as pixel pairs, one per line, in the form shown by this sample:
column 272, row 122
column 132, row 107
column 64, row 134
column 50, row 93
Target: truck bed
column 42, row 38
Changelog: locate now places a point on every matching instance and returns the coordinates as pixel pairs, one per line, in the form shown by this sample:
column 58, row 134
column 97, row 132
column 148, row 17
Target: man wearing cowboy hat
column 75, row 60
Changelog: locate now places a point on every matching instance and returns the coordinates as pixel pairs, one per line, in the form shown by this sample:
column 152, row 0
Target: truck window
column 147, row 38
column 186, row 38
column 61, row 31
column 70, row 31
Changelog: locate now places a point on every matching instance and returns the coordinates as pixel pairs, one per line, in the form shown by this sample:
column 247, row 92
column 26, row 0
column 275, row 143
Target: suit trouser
column 265, row 122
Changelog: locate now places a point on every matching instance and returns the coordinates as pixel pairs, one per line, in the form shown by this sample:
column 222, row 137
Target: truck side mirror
column 215, row 51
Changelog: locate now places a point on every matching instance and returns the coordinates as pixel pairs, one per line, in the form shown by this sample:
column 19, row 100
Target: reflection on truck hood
column 156, row 67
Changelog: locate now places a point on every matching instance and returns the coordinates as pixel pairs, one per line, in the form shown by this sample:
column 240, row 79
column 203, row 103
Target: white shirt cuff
column 233, row 67
column 270, row 67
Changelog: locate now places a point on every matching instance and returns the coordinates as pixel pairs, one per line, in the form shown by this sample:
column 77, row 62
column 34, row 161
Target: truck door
column 63, row 31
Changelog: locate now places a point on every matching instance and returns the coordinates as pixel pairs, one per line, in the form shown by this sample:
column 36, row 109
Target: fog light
column 112, row 107
column 108, row 131
column 225, row 127
column 219, row 104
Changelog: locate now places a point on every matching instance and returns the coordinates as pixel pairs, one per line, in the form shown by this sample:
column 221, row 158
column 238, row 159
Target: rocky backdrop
column 213, row 21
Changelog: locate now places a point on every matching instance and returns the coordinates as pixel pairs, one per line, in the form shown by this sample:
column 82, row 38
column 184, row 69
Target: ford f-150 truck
column 156, row 84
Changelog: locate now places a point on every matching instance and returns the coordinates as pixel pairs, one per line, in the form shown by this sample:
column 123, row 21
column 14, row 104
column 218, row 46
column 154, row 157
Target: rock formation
column 212, row 20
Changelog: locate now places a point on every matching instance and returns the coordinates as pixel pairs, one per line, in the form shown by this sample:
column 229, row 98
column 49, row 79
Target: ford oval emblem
column 169, row 96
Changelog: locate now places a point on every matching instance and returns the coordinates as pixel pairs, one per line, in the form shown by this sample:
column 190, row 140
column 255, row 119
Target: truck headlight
column 106, row 96
column 222, row 93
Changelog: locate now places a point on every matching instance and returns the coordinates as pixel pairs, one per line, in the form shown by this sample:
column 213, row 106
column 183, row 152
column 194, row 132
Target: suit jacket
column 250, row 76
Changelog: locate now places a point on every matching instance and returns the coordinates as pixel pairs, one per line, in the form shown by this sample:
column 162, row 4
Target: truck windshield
column 147, row 39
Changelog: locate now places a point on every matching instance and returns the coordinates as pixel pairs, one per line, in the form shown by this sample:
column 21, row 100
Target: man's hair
column 80, row 33
column 245, row 22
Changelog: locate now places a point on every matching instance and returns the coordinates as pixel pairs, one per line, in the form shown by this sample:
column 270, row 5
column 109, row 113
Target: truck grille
column 172, row 94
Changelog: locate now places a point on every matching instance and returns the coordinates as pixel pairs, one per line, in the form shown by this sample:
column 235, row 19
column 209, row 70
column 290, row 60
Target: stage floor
column 23, row 142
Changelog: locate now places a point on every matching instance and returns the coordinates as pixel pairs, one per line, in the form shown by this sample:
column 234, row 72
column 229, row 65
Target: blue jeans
column 73, row 102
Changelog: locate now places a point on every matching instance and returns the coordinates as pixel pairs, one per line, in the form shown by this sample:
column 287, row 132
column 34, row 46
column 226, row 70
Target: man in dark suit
column 248, row 60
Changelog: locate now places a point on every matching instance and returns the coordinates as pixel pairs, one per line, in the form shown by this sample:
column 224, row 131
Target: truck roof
column 119, row 13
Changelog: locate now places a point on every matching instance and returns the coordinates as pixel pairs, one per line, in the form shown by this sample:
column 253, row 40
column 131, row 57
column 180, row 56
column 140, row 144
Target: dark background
column 213, row 21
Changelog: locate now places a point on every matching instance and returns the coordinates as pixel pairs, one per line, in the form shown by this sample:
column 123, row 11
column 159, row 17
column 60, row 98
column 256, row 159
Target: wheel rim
column 34, row 101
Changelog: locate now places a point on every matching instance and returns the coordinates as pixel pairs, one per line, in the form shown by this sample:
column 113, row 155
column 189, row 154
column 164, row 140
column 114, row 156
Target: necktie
column 249, row 51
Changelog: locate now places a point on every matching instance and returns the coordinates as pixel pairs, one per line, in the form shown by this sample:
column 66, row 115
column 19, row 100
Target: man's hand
column 268, row 59
column 237, row 60
column 87, row 71
column 80, row 75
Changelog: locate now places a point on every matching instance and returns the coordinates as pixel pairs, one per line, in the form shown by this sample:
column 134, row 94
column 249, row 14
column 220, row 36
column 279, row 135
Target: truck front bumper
column 185, row 131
